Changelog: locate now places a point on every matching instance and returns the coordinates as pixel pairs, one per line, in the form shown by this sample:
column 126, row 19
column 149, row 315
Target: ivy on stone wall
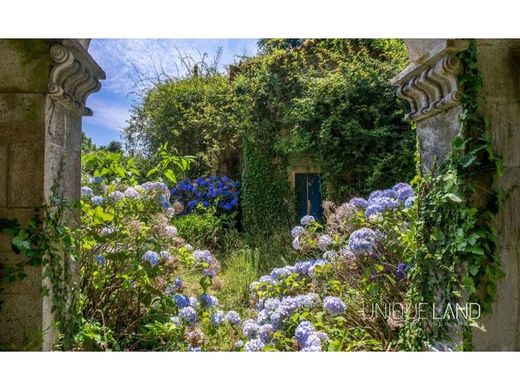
column 328, row 101
column 454, row 260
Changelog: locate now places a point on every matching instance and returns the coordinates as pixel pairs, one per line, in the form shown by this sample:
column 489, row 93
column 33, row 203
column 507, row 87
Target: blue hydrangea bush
column 220, row 192
column 134, row 269
column 350, row 264
column 145, row 288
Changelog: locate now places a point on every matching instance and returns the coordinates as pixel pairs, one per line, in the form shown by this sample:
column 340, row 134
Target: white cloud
column 108, row 115
column 120, row 57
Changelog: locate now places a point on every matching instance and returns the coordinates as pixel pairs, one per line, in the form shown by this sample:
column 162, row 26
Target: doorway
column 308, row 194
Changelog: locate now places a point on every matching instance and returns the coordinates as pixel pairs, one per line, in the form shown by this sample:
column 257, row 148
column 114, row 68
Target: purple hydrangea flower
column 280, row 273
column 96, row 180
column 188, row 314
column 86, row 191
column 359, row 203
column 267, row 279
column 296, row 244
column 208, row 300
column 181, row 301
column 374, row 195
column 302, row 267
column 271, row 304
column 297, row 231
column 307, row 220
column 217, row 318
column 152, row 257
column 303, row 331
column 98, row 200
column 116, row 196
column 374, row 208
column 131, row 193
column 404, row 191
column 409, row 202
column 334, row 305
column 263, row 317
column 389, row 194
column 254, row 345
column 203, row 256
column 250, row 329
column 193, row 302
column 324, row 241
column 363, row 241
column 401, row 270
column 233, row 317
column 265, row 332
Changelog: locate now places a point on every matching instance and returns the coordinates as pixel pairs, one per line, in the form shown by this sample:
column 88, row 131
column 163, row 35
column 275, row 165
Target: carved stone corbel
column 430, row 83
column 72, row 78
column 434, row 90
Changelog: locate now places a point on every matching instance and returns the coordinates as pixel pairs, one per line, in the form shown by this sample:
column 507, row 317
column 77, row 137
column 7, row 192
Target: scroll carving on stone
column 433, row 90
column 70, row 82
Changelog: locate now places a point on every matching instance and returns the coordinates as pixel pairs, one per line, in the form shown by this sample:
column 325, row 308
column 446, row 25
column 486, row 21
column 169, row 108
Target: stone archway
column 44, row 85
column 431, row 87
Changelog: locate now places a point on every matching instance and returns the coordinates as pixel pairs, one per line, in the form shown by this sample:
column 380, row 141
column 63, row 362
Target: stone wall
column 43, row 89
column 430, row 85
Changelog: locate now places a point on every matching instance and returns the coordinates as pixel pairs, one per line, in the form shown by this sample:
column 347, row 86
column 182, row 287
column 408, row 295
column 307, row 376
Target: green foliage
column 113, row 146
column 203, row 228
column 193, row 114
column 111, row 166
column 329, row 100
column 168, row 164
column 87, row 145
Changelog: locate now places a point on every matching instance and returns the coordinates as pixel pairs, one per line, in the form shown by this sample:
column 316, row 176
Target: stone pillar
column 44, row 85
column 430, row 85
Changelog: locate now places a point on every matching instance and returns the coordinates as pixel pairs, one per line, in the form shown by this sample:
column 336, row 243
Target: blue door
column 308, row 194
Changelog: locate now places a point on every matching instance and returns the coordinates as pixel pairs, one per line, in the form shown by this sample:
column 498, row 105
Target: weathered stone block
column 24, row 65
column 22, row 117
column 25, row 187
column 508, row 218
column 20, row 321
column 502, row 324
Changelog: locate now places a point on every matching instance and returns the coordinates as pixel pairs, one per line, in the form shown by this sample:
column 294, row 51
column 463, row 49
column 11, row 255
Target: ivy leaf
column 21, row 244
column 473, row 269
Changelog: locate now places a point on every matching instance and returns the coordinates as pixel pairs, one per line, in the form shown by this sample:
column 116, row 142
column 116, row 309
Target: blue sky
column 120, row 57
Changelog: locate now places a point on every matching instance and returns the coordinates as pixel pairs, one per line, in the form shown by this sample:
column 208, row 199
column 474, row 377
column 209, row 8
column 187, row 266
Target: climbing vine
column 455, row 259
